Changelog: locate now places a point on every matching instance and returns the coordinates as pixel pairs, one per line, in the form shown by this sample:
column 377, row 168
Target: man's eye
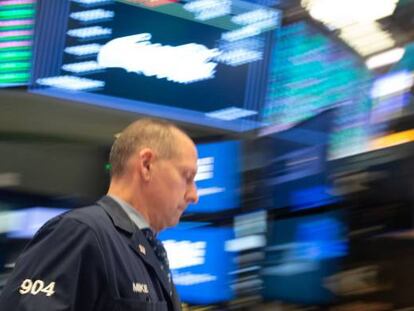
column 189, row 177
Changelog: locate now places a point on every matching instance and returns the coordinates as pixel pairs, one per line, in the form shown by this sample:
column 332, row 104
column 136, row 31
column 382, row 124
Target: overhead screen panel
column 201, row 61
column 311, row 72
column 16, row 34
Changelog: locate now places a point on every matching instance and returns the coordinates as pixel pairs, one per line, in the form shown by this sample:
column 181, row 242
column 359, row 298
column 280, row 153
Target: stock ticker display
column 311, row 72
column 16, row 35
column 205, row 56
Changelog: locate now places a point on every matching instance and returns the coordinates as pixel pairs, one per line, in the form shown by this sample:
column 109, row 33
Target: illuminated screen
column 390, row 96
column 197, row 62
column 297, row 175
column 199, row 262
column 16, row 34
column 302, row 252
column 311, row 72
column 218, row 177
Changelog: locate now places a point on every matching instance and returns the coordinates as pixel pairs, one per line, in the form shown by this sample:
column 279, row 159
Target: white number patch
column 35, row 287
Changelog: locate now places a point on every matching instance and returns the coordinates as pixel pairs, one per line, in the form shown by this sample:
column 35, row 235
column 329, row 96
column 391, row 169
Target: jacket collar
column 117, row 214
column 137, row 241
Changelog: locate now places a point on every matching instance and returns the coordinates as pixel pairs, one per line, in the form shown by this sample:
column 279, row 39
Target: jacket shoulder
column 91, row 218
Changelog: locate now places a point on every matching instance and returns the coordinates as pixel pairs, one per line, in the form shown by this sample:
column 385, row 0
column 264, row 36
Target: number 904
column 35, row 287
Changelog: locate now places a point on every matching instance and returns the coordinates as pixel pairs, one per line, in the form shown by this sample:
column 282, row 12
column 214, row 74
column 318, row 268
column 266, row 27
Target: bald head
column 158, row 135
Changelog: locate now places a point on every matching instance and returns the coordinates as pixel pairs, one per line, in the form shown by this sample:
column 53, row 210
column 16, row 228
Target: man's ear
column 145, row 160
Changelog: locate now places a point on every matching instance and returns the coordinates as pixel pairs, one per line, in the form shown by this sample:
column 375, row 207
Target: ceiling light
column 385, row 58
column 339, row 13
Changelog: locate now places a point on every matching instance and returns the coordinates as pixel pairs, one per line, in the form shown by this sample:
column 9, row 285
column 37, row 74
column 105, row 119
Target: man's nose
column 192, row 196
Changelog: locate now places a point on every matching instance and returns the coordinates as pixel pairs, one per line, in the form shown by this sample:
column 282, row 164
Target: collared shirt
column 132, row 213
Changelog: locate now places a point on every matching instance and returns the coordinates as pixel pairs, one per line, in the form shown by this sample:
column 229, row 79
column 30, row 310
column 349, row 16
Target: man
column 105, row 257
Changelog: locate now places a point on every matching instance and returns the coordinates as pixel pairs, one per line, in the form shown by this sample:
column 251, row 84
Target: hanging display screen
column 197, row 62
column 16, row 35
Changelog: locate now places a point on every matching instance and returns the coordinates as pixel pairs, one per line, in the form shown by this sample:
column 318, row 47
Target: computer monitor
column 301, row 253
column 218, row 177
column 296, row 173
column 200, row 264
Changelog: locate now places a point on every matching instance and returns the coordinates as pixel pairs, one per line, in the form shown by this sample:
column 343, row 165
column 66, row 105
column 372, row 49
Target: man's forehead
column 184, row 145
column 188, row 157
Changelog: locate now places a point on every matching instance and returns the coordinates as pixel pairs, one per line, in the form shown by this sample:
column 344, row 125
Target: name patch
column 140, row 288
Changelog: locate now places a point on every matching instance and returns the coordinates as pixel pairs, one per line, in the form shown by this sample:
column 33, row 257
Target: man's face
column 173, row 184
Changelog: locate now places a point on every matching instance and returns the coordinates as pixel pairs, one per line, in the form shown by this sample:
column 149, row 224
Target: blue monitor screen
column 297, row 175
column 302, row 252
column 199, row 263
column 218, row 177
column 197, row 62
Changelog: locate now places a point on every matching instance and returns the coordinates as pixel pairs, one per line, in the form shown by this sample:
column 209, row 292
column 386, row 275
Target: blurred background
column 302, row 113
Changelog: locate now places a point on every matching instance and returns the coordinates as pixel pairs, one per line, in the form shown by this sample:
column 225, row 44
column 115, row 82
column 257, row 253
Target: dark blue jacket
column 92, row 258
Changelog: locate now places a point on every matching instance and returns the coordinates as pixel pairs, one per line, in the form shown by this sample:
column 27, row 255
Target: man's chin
column 173, row 222
column 177, row 220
